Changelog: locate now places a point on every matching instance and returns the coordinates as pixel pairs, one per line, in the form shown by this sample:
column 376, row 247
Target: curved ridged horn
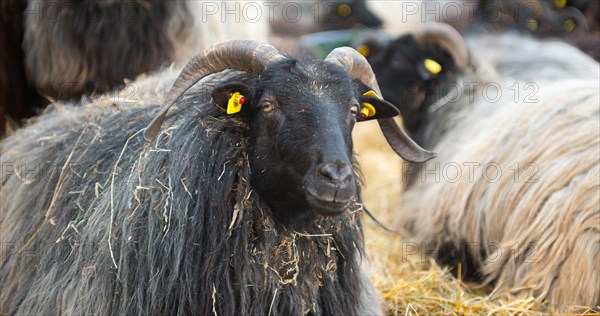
column 358, row 68
column 244, row 55
column 447, row 37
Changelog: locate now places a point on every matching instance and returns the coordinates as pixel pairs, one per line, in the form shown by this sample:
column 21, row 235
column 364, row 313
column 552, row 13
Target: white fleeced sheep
column 514, row 195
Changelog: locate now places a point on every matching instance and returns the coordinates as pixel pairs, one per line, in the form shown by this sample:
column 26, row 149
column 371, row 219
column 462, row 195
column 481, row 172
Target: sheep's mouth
column 328, row 202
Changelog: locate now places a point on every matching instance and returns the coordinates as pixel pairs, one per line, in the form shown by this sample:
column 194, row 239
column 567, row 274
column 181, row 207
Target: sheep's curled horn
column 358, row 68
column 254, row 57
column 244, row 55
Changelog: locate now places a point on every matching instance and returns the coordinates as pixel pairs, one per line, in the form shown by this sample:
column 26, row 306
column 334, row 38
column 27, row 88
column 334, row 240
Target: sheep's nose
column 338, row 173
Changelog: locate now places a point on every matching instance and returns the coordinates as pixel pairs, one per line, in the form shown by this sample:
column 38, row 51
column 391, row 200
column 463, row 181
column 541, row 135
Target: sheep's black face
column 407, row 82
column 302, row 116
column 302, row 124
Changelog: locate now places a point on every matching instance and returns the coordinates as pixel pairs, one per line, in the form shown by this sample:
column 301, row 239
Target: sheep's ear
column 373, row 107
column 230, row 97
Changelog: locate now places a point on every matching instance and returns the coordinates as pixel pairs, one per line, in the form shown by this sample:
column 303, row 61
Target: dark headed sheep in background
column 540, row 18
column 514, row 195
column 254, row 212
column 319, row 16
column 417, row 71
column 573, row 21
column 345, row 14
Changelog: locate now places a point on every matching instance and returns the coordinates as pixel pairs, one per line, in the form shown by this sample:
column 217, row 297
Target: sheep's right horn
column 447, row 37
column 358, row 68
column 244, row 55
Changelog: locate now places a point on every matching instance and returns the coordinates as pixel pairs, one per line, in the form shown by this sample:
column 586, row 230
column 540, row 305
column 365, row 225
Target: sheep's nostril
column 335, row 172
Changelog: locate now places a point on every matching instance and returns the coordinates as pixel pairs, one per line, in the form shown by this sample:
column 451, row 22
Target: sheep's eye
column 354, row 110
column 267, row 106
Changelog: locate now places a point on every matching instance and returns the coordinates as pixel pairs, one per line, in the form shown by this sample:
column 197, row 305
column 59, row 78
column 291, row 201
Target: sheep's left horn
column 358, row 68
column 244, row 55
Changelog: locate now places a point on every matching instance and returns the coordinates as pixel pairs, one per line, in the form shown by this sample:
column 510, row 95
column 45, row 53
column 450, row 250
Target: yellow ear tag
column 234, row 105
column 569, row 25
column 344, row 10
column 363, row 50
column 432, row 66
column 561, row 4
column 532, row 24
column 371, row 93
column 368, row 110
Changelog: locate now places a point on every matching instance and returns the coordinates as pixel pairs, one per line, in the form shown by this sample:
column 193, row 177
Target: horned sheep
column 514, row 196
column 256, row 212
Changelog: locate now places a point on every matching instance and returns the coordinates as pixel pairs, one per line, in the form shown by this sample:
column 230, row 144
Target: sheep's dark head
column 320, row 16
column 345, row 14
column 301, row 117
column 417, row 70
column 538, row 17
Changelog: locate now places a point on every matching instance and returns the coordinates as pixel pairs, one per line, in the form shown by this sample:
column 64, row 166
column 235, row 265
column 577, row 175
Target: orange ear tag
column 234, row 105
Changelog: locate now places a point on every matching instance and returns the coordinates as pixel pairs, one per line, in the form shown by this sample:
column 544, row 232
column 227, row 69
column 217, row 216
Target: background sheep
column 74, row 48
column 121, row 227
column 575, row 22
column 15, row 90
column 403, row 72
column 293, row 18
column 534, row 229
